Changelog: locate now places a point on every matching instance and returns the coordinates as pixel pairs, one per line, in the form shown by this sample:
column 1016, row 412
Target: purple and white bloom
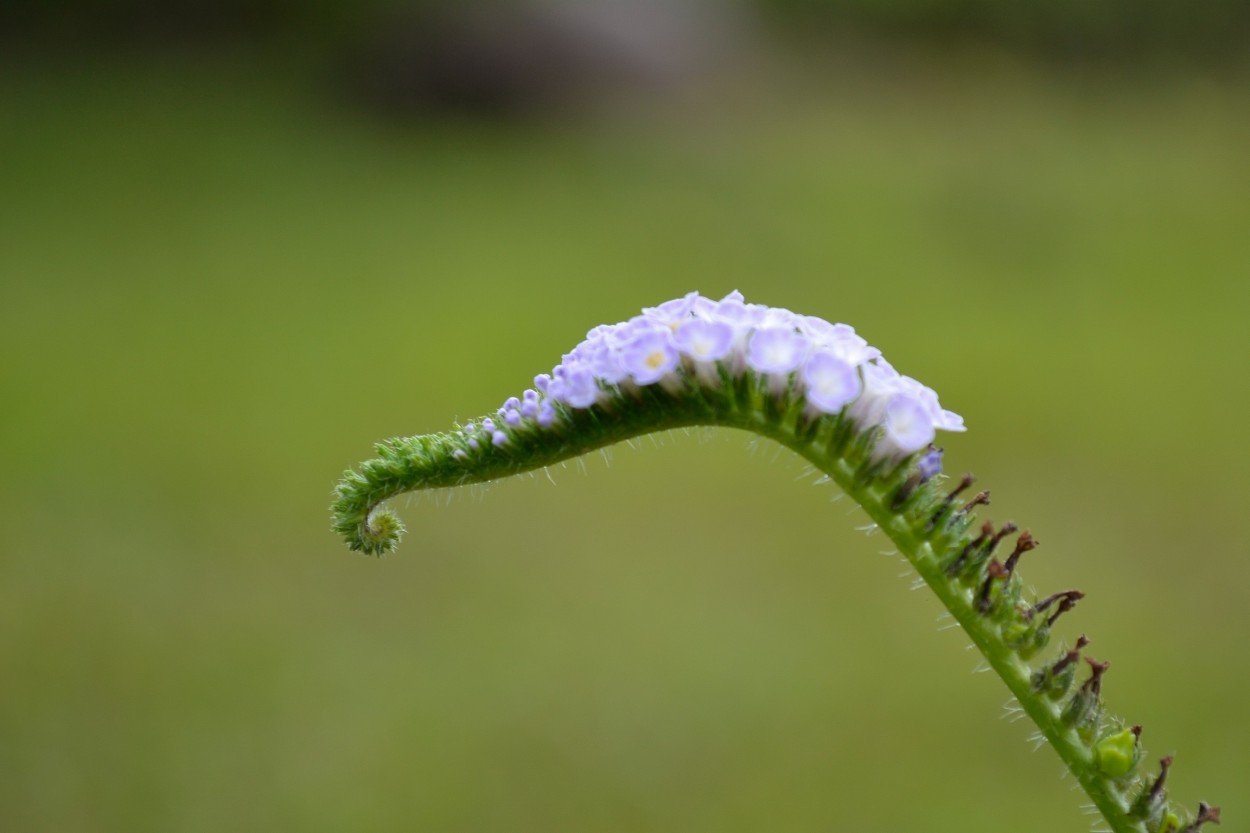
column 707, row 341
column 778, row 317
column 671, row 314
column 881, row 383
column 693, row 340
column 840, row 338
column 580, row 387
column 943, row 419
column 604, row 361
column 703, row 307
column 776, row 349
column 704, row 340
column 950, row 421
column 649, row 356
column 832, row 382
column 908, row 426
column 742, row 317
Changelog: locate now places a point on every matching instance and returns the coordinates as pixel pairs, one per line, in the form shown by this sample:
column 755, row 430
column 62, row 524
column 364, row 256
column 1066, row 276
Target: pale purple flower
column 732, row 310
column 776, row 317
column 580, row 388
column 776, row 350
column 840, row 338
column 881, row 383
column 943, row 419
column 703, row 307
column 704, row 340
column 498, row 438
column 473, row 443
column 819, row 330
column 832, row 383
column 908, row 426
column 513, row 418
column 648, row 356
column 671, row 313
column 488, row 425
column 541, row 381
column 605, row 364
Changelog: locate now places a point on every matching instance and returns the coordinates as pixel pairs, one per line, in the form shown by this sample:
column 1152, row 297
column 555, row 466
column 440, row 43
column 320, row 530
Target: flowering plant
column 824, row 392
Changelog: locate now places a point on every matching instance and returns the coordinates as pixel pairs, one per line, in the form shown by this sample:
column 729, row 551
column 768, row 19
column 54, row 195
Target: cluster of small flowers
column 829, row 364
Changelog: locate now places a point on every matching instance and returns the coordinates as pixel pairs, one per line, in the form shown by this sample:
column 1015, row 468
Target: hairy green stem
column 930, row 527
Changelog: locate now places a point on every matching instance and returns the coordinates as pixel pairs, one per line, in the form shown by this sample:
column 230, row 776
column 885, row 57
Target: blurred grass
column 218, row 292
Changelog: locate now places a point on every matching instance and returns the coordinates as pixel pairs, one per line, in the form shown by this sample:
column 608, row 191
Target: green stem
column 984, row 632
column 939, row 539
column 987, row 635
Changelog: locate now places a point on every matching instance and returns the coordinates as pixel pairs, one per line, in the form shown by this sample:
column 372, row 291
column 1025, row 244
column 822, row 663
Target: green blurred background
column 240, row 242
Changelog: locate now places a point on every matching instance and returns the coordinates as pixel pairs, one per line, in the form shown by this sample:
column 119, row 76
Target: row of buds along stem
column 965, row 552
column 695, row 342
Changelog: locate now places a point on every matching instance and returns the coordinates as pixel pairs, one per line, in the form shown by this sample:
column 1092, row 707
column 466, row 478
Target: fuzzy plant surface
column 822, row 391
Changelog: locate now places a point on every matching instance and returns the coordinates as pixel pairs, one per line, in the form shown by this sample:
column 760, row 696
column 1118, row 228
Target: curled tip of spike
column 379, row 534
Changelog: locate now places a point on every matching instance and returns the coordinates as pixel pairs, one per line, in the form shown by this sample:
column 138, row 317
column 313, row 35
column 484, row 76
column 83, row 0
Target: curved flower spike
column 822, row 391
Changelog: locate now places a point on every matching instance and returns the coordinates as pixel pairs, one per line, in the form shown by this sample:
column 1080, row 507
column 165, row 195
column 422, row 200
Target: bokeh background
column 239, row 242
